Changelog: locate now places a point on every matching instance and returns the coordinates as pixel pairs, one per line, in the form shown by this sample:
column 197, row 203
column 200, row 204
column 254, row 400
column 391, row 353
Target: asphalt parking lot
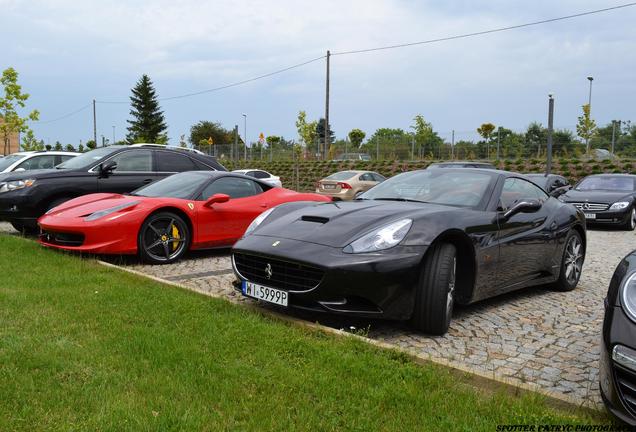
column 535, row 336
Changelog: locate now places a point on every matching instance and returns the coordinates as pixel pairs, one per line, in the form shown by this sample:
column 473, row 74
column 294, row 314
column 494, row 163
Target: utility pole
column 413, row 147
column 589, row 102
column 614, row 133
column 548, row 167
column 245, row 133
column 113, row 135
column 327, row 128
column 377, row 147
column 235, row 147
column 94, row 124
column 453, row 145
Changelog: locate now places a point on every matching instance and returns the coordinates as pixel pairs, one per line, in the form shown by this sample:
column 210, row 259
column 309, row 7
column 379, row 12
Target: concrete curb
column 465, row 374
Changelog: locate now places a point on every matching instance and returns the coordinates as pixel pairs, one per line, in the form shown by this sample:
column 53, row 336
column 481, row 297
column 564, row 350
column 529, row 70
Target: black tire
column 571, row 262
column 630, row 224
column 24, row 228
column 435, row 293
column 163, row 238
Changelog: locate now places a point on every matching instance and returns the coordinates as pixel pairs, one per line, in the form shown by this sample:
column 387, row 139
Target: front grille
column 285, row 275
column 62, row 239
column 588, row 206
column 626, row 381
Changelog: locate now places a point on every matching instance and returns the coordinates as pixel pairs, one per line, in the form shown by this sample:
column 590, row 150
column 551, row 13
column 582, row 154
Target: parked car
column 264, row 176
column 606, row 199
column 353, row 157
column 345, row 185
column 617, row 365
column 32, row 160
column 554, row 184
column 413, row 246
column 161, row 221
column 462, row 164
column 25, row 196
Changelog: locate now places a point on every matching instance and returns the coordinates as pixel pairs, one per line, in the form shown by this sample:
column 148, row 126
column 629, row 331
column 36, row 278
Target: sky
column 69, row 52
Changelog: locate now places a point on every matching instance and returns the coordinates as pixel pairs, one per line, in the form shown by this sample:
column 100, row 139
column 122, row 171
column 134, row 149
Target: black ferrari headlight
column 382, row 238
column 257, row 221
column 628, row 296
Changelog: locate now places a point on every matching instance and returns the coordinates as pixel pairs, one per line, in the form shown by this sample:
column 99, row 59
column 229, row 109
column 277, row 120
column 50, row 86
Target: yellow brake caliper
column 175, row 235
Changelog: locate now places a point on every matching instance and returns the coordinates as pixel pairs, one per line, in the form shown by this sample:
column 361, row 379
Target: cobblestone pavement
column 534, row 336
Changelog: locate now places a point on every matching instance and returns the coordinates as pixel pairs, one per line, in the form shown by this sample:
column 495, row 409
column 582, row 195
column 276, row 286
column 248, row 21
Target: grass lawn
column 84, row 347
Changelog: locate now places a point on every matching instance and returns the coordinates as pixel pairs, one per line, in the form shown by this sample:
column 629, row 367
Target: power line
column 238, row 83
column 72, row 113
column 483, row 32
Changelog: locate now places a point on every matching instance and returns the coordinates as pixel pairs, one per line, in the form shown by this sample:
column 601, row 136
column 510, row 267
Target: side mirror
column 19, row 170
column 216, row 199
column 106, row 169
column 525, row 206
column 560, row 191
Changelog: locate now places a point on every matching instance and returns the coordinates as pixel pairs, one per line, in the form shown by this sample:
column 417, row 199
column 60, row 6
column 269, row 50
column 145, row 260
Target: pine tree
column 148, row 124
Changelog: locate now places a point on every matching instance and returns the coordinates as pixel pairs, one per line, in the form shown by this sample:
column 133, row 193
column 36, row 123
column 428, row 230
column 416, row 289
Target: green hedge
column 312, row 171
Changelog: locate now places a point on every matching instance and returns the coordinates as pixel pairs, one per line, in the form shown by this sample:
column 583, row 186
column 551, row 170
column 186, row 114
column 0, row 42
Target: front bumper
column 108, row 236
column 373, row 285
column 618, row 382
column 17, row 206
column 619, row 217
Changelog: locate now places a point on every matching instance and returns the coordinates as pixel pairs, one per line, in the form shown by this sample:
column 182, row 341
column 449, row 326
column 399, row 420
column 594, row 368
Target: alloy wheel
column 573, row 260
column 164, row 238
column 451, row 289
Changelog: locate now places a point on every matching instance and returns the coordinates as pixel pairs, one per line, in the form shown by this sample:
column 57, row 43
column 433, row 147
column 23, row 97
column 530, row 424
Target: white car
column 32, row 160
column 261, row 175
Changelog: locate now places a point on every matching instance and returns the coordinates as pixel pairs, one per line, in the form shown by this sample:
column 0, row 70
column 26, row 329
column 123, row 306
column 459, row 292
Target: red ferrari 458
column 161, row 221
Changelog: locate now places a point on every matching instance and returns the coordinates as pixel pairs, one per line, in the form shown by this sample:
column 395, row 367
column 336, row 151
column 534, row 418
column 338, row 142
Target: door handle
column 147, row 181
column 264, row 205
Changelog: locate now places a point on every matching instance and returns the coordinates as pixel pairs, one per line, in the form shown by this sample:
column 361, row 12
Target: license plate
column 590, row 215
column 329, row 186
column 260, row 292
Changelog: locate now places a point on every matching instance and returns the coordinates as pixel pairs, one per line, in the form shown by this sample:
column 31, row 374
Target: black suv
column 25, row 196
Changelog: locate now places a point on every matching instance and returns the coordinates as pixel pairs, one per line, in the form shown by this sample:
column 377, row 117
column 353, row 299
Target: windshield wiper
column 400, row 199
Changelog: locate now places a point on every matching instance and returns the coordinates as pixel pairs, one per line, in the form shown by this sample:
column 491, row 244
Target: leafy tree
column 58, row 146
column 201, row 133
column 306, row 131
column 391, row 143
column 80, row 148
column 356, row 136
column 182, row 141
column 13, row 99
column 535, row 135
column 486, row 130
column 586, row 127
column 148, row 123
column 48, row 147
column 30, row 142
column 69, row 147
column 90, row 144
column 427, row 141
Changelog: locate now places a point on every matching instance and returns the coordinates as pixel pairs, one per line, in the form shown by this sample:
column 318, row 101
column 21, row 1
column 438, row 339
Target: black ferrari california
column 606, row 199
column 617, row 366
column 413, row 246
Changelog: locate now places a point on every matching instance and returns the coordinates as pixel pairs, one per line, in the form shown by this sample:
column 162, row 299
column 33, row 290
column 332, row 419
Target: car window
column 235, row 187
column 133, row 161
column 366, row 177
column 37, row 162
column 7, row 161
column 342, row 175
column 182, row 185
column 64, row 158
column 516, row 189
column 173, row 162
column 261, row 174
column 378, row 177
column 611, row 183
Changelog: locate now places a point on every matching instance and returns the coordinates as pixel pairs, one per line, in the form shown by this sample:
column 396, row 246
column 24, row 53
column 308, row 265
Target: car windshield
column 462, row 189
column 342, row 175
column 609, row 183
column 182, row 185
column 87, row 159
column 7, row 161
